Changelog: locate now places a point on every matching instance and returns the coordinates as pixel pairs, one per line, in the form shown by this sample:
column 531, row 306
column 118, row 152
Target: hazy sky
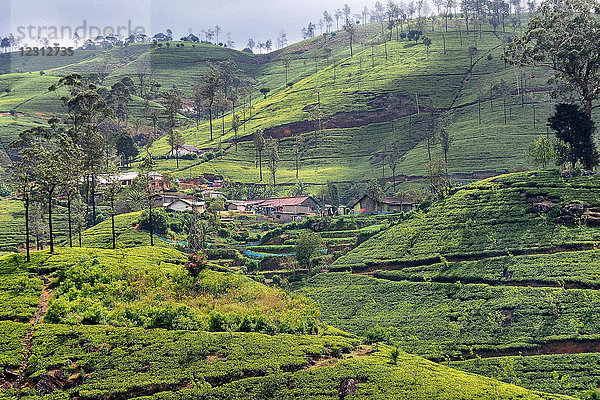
column 257, row 19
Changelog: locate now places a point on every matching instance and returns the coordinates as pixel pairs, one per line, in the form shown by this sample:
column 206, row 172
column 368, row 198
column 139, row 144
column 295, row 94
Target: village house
column 127, row 178
column 287, row 209
column 389, row 204
column 186, row 149
column 181, row 205
column 178, row 202
column 160, row 199
column 213, row 194
column 242, row 206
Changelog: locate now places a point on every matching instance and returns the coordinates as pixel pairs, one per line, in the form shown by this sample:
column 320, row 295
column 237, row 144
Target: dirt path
column 329, row 361
column 38, row 318
column 399, row 265
column 568, row 346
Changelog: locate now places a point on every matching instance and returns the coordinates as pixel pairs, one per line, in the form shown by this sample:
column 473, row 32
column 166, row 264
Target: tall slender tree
column 273, row 157
column 209, row 88
column 259, row 144
column 563, row 35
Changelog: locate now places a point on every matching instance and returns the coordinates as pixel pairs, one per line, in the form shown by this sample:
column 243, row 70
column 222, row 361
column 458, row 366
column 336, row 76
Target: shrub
column 251, row 266
column 160, row 220
column 375, row 335
column 394, row 354
column 216, row 321
column 276, row 280
column 223, row 233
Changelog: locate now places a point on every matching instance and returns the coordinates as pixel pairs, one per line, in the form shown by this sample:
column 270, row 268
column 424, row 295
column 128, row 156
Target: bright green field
column 378, row 87
column 489, row 218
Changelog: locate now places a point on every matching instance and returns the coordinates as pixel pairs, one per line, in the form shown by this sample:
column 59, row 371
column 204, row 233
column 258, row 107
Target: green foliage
column 441, row 320
column 375, row 335
column 309, row 244
column 11, row 348
column 150, row 287
column 540, row 152
column 100, row 235
column 572, row 374
column 19, row 292
column 574, row 127
column 126, row 360
column 160, row 220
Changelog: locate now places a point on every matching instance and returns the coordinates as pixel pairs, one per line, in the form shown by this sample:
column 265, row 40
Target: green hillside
column 154, row 346
column 12, row 222
column 100, row 235
column 505, row 269
column 383, row 109
column 384, row 80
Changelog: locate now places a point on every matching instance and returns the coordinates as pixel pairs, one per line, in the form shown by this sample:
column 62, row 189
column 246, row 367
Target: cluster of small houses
column 280, row 209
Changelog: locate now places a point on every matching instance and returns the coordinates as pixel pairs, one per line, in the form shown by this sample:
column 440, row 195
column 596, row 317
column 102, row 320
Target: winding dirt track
column 38, row 318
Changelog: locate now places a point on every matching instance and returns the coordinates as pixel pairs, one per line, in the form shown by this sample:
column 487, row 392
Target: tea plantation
column 500, row 278
column 131, row 323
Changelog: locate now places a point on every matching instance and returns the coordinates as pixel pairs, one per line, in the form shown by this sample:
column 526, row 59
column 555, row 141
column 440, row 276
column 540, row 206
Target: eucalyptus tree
column 85, row 111
column 299, row 148
column 49, row 157
column 394, row 156
column 21, row 178
column 273, row 157
column 209, row 89
column 173, row 105
column 563, row 35
column 259, row 144
column 145, row 168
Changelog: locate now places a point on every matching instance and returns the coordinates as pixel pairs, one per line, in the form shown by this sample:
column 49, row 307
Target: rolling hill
column 499, row 278
column 49, row 351
column 349, row 109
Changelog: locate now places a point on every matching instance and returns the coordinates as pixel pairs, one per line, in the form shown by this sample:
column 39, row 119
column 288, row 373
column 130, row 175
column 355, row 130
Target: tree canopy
column 563, row 35
column 573, row 126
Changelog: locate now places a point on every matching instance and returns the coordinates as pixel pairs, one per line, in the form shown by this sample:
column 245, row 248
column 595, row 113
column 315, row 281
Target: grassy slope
column 440, row 303
column 107, row 361
column 346, row 154
column 127, row 236
column 441, row 80
column 12, row 221
column 486, row 218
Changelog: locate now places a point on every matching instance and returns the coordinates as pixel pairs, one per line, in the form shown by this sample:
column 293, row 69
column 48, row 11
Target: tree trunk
column 93, row 193
column 69, row 217
column 150, row 221
column 260, row 164
column 50, row 223
column 112, row 220
column 210, row 122
column 429, row 150
column 446, row 162
column 26, row 197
